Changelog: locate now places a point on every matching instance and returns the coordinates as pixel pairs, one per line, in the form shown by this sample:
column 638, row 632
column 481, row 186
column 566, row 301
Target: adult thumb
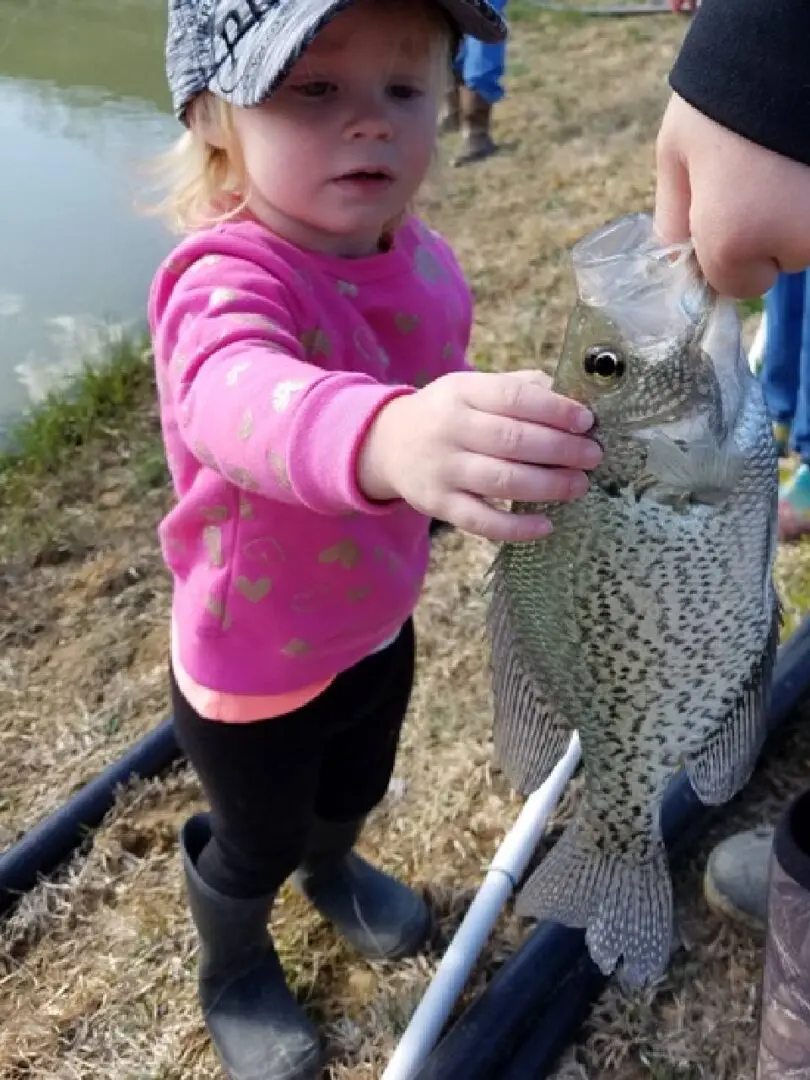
column 673, row 197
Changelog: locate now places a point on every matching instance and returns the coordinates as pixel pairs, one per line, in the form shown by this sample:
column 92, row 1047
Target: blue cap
column 241, row 50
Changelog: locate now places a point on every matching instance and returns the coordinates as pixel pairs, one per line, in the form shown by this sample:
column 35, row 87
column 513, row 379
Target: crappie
column 648, row 620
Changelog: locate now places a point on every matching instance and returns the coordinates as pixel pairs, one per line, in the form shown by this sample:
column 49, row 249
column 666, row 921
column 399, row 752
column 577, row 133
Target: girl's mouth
column 366, row 177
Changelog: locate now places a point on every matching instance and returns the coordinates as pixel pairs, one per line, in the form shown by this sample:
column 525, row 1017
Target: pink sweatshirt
column 272, row 362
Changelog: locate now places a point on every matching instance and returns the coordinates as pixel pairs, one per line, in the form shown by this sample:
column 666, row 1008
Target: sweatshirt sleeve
column 746, row 65
column 239, row 378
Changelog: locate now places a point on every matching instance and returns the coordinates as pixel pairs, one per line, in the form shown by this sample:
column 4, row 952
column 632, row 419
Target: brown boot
column 450, row 116
column 476, row 141
column 784, row 1047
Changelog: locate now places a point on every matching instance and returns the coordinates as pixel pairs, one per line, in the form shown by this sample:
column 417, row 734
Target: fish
column 648, row 619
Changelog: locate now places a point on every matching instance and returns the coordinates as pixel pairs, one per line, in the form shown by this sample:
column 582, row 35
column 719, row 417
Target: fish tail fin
column 622, row 899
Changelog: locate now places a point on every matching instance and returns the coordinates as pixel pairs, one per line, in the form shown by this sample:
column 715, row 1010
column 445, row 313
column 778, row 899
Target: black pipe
column 535, row 1004
column 43, row 848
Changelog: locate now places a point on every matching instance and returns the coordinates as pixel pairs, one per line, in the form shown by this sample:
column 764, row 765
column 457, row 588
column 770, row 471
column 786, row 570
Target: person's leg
column 794, row 501
column 380, row 916
column 260, row 780
column 450, row 115
column 482, row 69
column 784, row 312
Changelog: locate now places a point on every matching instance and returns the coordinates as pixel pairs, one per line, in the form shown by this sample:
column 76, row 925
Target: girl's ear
column 205, row 115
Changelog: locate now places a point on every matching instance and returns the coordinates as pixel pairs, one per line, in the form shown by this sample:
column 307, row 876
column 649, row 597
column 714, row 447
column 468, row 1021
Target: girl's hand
column 470, row 437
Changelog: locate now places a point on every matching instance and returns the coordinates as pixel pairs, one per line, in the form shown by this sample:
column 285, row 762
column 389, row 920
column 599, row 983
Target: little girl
column 317, row 411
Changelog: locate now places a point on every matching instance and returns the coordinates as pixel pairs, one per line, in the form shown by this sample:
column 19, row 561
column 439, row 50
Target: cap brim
column 477, row 18
column 266, row 55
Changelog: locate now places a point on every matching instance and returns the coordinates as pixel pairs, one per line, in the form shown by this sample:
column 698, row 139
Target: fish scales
column 648, row 619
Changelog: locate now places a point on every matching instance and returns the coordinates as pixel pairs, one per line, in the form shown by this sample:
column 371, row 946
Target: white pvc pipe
column 511, row 859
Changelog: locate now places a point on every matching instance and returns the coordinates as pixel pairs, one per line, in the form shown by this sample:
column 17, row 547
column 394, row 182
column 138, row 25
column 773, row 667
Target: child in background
column 785, row 377
column 477, row 86
column 317, row 410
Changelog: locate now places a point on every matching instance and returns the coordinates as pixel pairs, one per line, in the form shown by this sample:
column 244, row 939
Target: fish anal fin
column 724, row 764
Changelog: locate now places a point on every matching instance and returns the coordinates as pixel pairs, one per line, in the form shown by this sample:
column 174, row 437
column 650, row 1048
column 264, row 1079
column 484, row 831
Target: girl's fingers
column 525, row 395
column 476, row 516
column 496, row 479
column 535, row 444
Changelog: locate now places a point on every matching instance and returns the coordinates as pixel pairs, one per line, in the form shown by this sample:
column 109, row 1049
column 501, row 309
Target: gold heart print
column 203, row 454
column 427, row 265
column 254, row 320
column 246, row 426
column 296, row 647
column 264, row 549
column 316, row 342
column 243, row 478
column 366, row 344
column 279, row 467
column 214, row 513
column 345, row 552
column 212, row 539
column 220, row 297
column 215, row 606
column 346, row 288
column 205, row 262
column 245, row 508
column 310, row 600
column 358, row 593
column 283, row 392
column 232, row 378
column 405, row 323
column 254, row 591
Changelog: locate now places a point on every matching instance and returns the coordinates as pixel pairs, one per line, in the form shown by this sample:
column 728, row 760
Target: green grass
column 752, row 306
column 98, row 406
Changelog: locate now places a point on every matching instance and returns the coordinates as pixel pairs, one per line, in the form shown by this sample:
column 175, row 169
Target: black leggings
column 266, row 780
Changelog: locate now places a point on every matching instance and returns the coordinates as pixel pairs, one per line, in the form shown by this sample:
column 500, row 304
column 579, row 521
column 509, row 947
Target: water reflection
column 83, row 108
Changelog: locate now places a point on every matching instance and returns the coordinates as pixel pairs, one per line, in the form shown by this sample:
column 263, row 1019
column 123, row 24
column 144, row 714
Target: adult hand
column 746, row 208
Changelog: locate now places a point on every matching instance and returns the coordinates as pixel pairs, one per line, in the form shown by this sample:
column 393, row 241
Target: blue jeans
column 786, row 359
column 481, row 67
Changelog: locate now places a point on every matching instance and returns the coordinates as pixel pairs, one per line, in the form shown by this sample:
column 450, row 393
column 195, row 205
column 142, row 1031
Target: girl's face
column 344, row 144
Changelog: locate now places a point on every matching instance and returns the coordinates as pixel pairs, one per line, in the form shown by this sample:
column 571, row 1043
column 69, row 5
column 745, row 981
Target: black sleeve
column 746, row 64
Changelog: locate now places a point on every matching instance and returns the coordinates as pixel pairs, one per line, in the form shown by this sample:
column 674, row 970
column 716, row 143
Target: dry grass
column 97, row 969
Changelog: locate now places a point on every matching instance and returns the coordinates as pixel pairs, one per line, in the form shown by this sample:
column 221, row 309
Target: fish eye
column 604, row 363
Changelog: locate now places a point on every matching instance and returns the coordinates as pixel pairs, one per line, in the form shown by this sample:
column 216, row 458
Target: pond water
column 83, row 111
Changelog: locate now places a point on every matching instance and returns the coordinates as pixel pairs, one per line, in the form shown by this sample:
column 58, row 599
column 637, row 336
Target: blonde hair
column 205, row 184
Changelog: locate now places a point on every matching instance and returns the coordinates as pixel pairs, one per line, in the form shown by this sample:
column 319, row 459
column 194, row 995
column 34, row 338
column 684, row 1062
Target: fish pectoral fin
column 623, row 900
column 529, row 737
column 724, row 764
column 695, row 473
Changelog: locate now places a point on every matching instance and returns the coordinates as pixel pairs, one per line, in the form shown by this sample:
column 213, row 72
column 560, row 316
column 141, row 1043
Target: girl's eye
column 403, row 92
column 315, row 89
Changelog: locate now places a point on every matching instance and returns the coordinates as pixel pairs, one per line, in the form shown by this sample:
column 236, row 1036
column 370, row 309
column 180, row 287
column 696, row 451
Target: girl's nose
column 370, row 119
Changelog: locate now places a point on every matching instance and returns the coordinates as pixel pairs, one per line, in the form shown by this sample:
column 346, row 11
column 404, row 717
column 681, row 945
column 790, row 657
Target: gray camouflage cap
column 241, row 50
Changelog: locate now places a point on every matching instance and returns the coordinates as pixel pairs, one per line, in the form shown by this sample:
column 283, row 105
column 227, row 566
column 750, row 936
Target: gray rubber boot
column 257, row 1027
column 736, row 879
column 378, row 915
